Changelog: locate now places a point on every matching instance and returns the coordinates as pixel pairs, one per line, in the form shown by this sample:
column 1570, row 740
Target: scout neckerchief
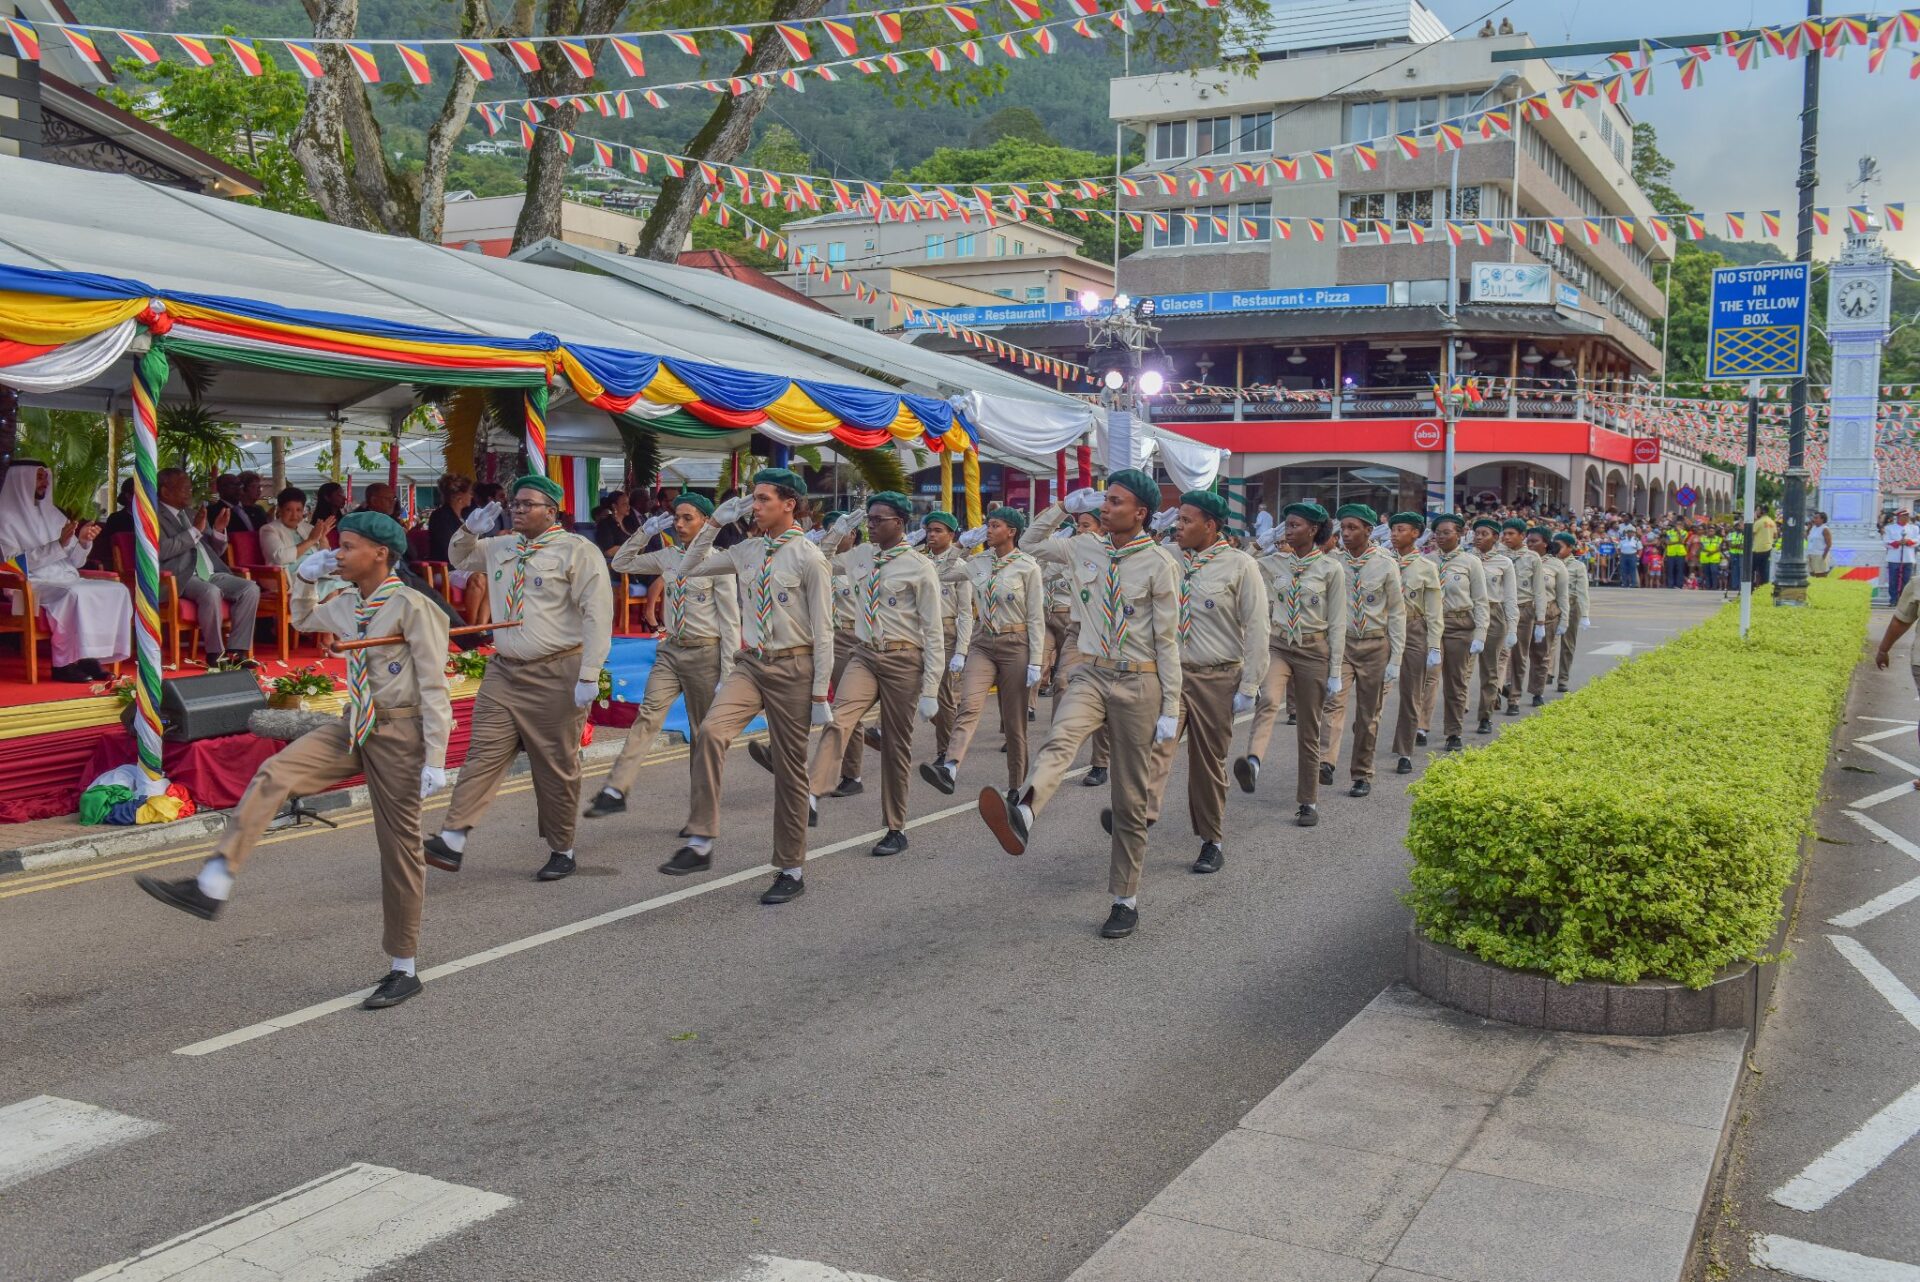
column 870, row 606
column 523, row 551
column 1193, row 567
column 676, row 593
column 763, row 595
column 1113, row 642
column 994, row 595
column 1356, row 615
column 360, row 713
column 1290, row 594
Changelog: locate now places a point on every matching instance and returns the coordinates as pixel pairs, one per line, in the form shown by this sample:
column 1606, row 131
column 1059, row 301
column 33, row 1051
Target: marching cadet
column 1503, row 615
column 1223, row 659
column 784, row 670
column 1529, row 628
column 543, row 674
column 1307, row 592
column 1553, row 591
column 1420, row 593
column 1069, row 655
column 844, row 641
column 1127, row 602
column 702, row 634
column 1376, row 638
column 394, row 732
column 1580, row 607
column 941, row 532
column 1463, row 601
column 897, row 660
column 1007, row 648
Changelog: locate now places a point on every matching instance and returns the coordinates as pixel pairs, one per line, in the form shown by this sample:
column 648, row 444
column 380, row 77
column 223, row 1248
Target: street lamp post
column 1790, row 579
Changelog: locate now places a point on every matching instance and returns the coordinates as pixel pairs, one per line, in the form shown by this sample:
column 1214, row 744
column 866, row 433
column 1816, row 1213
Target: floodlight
column 1151, row 382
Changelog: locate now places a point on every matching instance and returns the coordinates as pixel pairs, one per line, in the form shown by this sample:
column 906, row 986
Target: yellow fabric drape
column 794, row 410
column 971, row 473
column 45, row 321
column 946, row 480
column 667, row 389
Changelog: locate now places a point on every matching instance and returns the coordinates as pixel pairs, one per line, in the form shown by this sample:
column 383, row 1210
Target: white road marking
column 1824, row 1264
column 1892, row 899
column 1891, row 721
column 1614, row 649
column 1891, row 794
column 1884, row 981
column 1878, row 735
column 1853, row 1158
column 1888, row 757
column 46, row 1133
column 342, row 1226
column 773, row 1268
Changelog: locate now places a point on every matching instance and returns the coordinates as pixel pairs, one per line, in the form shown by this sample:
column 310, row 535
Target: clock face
column 1859, row 299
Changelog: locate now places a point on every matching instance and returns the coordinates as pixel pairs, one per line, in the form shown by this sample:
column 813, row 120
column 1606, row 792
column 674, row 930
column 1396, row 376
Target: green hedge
column 1645, row 827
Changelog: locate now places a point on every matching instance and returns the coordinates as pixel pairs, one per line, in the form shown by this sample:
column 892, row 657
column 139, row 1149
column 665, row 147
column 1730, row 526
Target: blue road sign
column 1686, row 496
column 1758, row 325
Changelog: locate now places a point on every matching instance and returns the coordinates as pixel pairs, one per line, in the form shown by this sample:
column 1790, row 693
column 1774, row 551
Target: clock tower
column 1859, row 286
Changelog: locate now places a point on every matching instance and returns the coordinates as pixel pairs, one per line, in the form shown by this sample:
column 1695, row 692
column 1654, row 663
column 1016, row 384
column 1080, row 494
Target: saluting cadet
column 1420, row 593
column 1503, row 615
column 543, row 674
column 784, row 670
column 394, row 732
column 1530, row 628
column 845, row 611
column 1007, row 647
column 941, row 531
column 1127, row 602
column 1463, row 602
column 1553, row 591
column 1223, row 659
column 1580, row 603
column 1376, row 638
column 701, row 636
column 897, row 660
column 1069, row 655
column 1307, row 595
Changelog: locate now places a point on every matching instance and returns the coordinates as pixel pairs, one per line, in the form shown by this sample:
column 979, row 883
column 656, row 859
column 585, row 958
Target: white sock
column 402, row 964
column 1126, row 901
column 215, row 881
column 813, row 801
column 615, row 793
column 701, row 844
column 456, row 839
column 792, row 872
column 565, row 854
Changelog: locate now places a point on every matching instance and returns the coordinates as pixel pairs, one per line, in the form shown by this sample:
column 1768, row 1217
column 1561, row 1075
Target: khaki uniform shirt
column 1375, row 603
column 1578, row 580
column 1463, row 586
column 1059, row 586
column 956, row 599
column 568, row 597
column 1225, row 615
column 1012, row 591
column 1554, row 587
column 1526, row 576
column 1420, row 591
column 1149, row 583
column 410, row 675
column 697, row 609
column 797, row 599
column 1309, row 598
column 1503, row 584
column 899, row 589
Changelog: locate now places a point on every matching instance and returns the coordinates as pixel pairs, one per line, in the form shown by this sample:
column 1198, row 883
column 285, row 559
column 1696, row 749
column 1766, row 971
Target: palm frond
column 643, row 452
column 879, row 469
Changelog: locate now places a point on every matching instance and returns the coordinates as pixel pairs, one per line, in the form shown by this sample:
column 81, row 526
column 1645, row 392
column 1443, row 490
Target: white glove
column 973, row 538
column 1433, row 658
column 1161, row 520
column 1513, row 638
column 1242, row 703
column 929, row 708
column 315, row 566
column 1081, row 502
column 1585, row 623
column 1164, row 728
column 1475, row 647
column 1264, row 541
column 1033, row 674
column 1333, row 684
column 1539, row 632
column 1393, row 673
column 1065, row 532
column 585, row 692
column 656, row 524
column 733, row 509
column 1560, row 631
column 958, row 663
column 918, row 537
column 483, row 520
column 822, row 714
column 816, row 534
column 842, row 526
column 432, row 780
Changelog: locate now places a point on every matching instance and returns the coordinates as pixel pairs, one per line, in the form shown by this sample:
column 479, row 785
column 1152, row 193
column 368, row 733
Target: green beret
column 1311, row 512
column 1454, row 517
column 1010, row 515
column 541, row 484
column 828, row 518
column 785, row 478
column 1514, row 523
column 1417, row 520
column 1138, row 484
column 379, row 527
column 1545, row 534
column 1207, row 501
column 1564, row 537
column 893, row 499
column 941, row 518
column 1359, row 512
column 698, row 502
column 1487, row 523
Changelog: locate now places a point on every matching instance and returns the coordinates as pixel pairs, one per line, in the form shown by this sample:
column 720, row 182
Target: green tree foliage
column 1010, row 122
column 73, row 445
column 1013, row 159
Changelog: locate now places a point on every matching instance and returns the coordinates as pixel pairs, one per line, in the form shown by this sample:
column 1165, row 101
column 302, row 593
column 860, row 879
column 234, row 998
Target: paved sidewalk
column 1421, row 1143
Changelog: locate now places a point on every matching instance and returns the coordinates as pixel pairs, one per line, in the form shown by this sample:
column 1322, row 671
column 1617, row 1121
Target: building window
column 864, row 322
column 1255, row 220
column 1019, row 247
column 999, row 246
column 809, row 253
column 1367, row 120
column 1004, row 293
column 1464, row 204
column 1256, row 131
column 1209, row 234
column 836, row 252
column 1412, row 207
column 869, row 247
column 1036, row 293
column 1212, row 134
column 936, row 245
column 1170, row 140
column 1175, row 234
column 1412, row 114
column 1366, row 207
column 965, row 245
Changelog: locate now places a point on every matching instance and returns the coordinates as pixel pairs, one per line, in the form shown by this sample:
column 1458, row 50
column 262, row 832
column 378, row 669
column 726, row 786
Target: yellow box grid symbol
column 1756, row 350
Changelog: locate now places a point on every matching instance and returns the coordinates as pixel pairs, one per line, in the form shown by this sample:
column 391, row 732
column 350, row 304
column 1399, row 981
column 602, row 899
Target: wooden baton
column 396, row 639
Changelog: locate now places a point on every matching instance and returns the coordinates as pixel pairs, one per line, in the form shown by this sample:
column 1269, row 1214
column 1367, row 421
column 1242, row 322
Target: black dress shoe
column 605, row 804
column 1513, row 707
column 1539, row 701
column 238, row 660
column 761, row 754
column 1106, row 820
column 1361, row 787
column 940, row 775
column 1419, row 738
column 557, row 866
column 1453, row 743
column 1306, row 817
column 784, row 888
column 687, row 860
column 1293, row 718
column 849, row 787
column 1095, row 777
column 1210, row 857
column 184, row 894
column 1485, row 726
column 440, row 854
column 1120, row 922
column 1326, row 773
column 394, row 989
column 1001, row 812
column 1404, row 766
column 813, row 813
column 872, row 736
column 71, row 673
column 1032, row 715
column 892, row 844
column 1561, row 689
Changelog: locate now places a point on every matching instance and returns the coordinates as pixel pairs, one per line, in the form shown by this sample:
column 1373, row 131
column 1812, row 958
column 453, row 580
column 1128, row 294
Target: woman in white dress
column 91, row 619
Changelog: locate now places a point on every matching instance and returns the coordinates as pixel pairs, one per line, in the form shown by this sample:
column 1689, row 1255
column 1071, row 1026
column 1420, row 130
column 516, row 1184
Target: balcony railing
column 1218, row 404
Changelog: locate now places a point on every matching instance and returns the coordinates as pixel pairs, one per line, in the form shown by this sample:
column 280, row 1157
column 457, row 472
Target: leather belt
column 779, row 654
column 545, row 658
column 1212, row 667
column 1125, row 665
column 692, row 643
column 890, row 647
column 1011, row 630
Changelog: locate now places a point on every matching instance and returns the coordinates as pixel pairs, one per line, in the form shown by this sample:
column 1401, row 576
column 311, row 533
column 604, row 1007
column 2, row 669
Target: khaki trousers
column 1415, row 677
column 1206, row 717
column 1063, row 668
column 1128, row 703
column 1519, row 657
column 1305, row 666
column 391, row 760
column 1363, row 684
column 1565, row 665
column 855, row 755
column 1540, row 657
column 1456, row 663
column 781, row 686
column 995, row 661
column 692, row 671
column 949, row 697
column 890, row 678
column 525, row 705
column 1059, row 636
column 1493, row 663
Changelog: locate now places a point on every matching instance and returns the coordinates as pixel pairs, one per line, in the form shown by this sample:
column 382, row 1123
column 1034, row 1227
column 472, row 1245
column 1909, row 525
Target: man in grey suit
column 190, row 548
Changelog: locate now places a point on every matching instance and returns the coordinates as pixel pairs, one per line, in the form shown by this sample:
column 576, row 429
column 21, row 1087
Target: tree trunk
column 726, row 135
column 339, row 119
column 444, row 136
column 547, row 163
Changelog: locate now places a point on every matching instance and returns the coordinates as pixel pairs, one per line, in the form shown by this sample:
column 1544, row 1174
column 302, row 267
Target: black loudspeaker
column 194, row 708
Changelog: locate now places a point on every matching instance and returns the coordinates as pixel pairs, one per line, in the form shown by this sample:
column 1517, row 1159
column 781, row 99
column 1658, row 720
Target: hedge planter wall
column 1647, row 826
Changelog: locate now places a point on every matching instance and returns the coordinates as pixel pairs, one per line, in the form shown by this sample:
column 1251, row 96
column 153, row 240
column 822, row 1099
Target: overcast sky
column 1735, row 139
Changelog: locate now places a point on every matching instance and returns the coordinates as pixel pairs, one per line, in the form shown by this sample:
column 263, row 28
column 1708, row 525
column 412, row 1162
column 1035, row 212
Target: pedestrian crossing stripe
column 45, row 1133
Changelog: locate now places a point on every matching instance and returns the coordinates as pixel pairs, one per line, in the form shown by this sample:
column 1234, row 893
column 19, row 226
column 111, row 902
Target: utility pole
column 1790, row 578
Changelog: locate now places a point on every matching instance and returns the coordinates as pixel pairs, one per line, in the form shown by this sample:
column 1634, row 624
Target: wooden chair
column 27, row 622
column 438, row 574
column 276, row 601
column 175, row 612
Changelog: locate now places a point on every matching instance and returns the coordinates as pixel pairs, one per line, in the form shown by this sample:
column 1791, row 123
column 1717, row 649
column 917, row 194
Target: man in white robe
column 91, row 619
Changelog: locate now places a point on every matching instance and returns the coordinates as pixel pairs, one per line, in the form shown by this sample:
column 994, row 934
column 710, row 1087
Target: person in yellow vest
column 1579, row 602
column 1069, row 654
column 1529, row 629
column 1223, row 659
column 1676, row 554
column 1307, row 595
column 1555, row 604
column 543, row 674
column 1127, row 601
column 1420, row 593
column 1503, row 616
column 1007, row 646
column 700, row 636
column 394, row 732
column 1371, row 658
column 1712, row 556
column 940, row 532
column 1463, row 598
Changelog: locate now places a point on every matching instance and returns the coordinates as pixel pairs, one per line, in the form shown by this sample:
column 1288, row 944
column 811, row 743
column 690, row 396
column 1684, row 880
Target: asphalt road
column 930, row 1067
